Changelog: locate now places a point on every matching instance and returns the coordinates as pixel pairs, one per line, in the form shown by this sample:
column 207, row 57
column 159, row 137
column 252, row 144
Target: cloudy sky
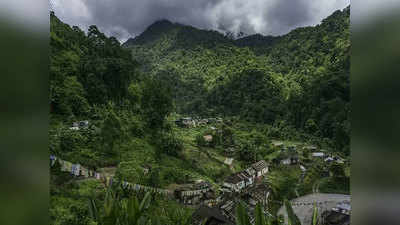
column 128, row 18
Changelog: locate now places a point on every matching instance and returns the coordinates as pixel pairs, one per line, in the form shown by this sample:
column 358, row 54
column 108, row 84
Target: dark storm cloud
column 127, row 18
column 135, row 16
column 287, row 14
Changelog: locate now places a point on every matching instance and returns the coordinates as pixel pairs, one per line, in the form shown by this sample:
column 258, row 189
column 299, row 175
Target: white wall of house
column 228, row 185
column 236, row 187
column 285, row 161
column 241, row 185
column 249, row 181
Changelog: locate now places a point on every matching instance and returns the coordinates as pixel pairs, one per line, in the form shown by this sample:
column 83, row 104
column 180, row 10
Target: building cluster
column 246, row 178
column 242, row 187
column 189, row 122
column 224, row 212
column 289, row 155
column 79, row 171
column 194, row 194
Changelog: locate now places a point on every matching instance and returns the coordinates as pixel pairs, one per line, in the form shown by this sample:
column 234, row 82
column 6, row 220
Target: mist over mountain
column 138, row 128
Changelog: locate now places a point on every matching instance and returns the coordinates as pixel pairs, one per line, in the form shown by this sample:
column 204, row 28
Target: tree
column 168, row 143
column 135, row 95
column 112, row 130
column 156, row 103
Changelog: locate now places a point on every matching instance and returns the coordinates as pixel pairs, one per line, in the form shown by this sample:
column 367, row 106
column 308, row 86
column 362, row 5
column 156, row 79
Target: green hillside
column 300, row 79
column 292, row 89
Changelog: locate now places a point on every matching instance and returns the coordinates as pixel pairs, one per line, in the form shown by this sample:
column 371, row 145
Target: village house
column 289, row 158
column 339, row 215
column 194, row 193
column 303, row 169
column 235, row 182
column 318, row 154
column 202, row 122
column 208, row 138
column 258, row 194
column 286, row 161
column 228, row 161
column 310, row 147
column 261, row 168
column 186, row 122
column 146, row 169
column 238, row 181
column 248, row 180
column 343, row 207
column 80, row 125
column 251, row 171
column 329, row 159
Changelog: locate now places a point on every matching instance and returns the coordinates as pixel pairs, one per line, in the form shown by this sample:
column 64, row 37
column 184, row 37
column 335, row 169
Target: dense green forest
column 93, row 78
column 293, row 88
column 299, row 80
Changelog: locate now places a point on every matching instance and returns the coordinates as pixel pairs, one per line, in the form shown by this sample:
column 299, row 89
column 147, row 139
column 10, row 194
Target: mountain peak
column 161, row 22
column 152, row 31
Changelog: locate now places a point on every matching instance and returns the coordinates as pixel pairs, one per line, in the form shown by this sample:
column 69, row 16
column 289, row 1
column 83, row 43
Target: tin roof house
column 235, row 182
column 261, row 168
column 80, row 125
column 289, row 158
column 259, row 194
column 194, row 193
column 187, row 122
column 318, row 154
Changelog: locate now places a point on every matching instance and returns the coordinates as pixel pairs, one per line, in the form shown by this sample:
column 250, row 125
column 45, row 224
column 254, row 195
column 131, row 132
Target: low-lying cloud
column 128, row 18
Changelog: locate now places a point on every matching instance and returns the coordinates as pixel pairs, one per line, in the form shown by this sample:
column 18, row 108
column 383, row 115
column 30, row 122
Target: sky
column 127, row 18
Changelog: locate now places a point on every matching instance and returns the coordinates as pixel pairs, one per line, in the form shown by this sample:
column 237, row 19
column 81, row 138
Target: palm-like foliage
column 294, row 220
column 242, row 217
column 314, row 220
column 292, row 217
column 178, row 216
column 121, row 211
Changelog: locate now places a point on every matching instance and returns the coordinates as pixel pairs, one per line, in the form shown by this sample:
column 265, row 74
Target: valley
column 227, row 128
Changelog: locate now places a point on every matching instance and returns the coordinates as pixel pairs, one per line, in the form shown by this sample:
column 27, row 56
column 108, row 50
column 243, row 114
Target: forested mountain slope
column 292, row 89
column 298, row 80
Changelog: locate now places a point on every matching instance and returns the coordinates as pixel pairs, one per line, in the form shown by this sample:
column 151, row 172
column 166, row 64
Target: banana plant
column 242, row 217
column 135, row 209
column 260, row 217
column 120, row 211
column 314, row 220
column 292, row 217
